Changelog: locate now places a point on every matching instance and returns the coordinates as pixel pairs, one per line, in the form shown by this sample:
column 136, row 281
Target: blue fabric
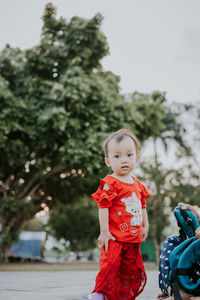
column 176, row 255
column 186, row 224
column 26, row 249
column 177, row 245
column 190, row 258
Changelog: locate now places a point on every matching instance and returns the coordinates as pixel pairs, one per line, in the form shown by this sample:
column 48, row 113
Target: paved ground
column 61, row 285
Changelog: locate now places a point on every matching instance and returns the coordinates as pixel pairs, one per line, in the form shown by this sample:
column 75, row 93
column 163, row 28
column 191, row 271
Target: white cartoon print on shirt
column 133, row 206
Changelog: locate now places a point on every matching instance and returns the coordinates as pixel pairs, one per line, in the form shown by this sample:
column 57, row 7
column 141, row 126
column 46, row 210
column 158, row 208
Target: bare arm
column 103, row 219
column 145, row 224
column 105, row 234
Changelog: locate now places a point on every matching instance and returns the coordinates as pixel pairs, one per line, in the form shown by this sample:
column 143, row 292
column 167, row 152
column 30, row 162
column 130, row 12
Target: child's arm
column 105, row 234
column 145, row 224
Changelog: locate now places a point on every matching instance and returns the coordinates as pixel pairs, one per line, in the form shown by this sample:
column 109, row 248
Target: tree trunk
column 11, row 225
column 3, row 251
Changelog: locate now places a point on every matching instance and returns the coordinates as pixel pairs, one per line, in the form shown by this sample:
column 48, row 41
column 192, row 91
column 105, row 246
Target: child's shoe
column 96, row 296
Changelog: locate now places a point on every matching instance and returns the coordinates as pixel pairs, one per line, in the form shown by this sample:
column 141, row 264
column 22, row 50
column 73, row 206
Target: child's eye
column 116, row 156
column 130, row 154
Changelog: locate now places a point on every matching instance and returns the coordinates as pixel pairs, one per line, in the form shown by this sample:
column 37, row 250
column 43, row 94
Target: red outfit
column 122, row 275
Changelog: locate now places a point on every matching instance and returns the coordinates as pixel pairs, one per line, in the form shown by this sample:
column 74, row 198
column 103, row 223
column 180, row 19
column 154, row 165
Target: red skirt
column 122, row 275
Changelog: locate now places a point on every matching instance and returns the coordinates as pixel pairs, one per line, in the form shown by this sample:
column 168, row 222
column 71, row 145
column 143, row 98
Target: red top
column 125, row 202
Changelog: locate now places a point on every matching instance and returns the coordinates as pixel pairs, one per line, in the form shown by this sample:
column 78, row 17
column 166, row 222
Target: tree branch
column 26, row 189
column 30, row 193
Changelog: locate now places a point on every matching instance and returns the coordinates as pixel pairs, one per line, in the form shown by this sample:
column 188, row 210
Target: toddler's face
column 121, row 156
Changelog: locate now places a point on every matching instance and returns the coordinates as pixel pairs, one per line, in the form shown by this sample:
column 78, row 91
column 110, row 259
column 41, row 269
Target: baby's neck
column 125, row 178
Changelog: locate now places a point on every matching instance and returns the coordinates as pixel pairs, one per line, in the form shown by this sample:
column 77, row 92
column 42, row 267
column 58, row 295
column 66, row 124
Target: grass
column 51, row 267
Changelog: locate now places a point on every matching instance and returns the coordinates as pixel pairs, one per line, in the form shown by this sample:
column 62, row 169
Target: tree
column 57, row 105
column 169, row 185
column 77, row 225
column 156, row 179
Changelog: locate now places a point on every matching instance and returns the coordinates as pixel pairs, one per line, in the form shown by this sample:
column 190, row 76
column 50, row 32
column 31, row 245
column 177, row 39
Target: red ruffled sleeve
column 103, row 197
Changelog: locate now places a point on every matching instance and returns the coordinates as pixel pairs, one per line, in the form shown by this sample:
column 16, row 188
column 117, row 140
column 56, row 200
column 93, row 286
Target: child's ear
column 107, row 161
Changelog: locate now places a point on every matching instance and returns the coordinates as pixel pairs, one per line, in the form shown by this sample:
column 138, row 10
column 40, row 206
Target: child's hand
column 145, row 233
column 104, row 238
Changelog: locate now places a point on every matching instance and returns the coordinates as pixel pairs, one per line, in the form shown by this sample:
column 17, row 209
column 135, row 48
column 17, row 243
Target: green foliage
column 168, row 187
column 33, row 225
column 155, row 177
column 78, row 225
column 57, row 106
column 151, row 111
column 185, row 186
column 9, row 204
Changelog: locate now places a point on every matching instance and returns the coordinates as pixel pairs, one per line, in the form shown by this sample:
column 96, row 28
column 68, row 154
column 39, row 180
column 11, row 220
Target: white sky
column 154, row 44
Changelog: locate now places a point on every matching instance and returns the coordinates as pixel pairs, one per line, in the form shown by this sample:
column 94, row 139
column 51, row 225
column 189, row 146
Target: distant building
column 29, row 247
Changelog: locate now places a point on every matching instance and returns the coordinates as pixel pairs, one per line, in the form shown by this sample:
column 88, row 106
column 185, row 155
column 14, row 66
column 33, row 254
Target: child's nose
column 124, row 160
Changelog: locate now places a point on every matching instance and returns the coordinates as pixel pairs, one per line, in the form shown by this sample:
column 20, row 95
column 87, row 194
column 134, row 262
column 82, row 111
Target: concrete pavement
column 60, row 285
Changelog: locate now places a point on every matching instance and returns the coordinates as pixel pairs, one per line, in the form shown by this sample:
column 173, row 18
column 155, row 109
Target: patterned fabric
column 125, row 202
column 168, row 246
column 122, row 275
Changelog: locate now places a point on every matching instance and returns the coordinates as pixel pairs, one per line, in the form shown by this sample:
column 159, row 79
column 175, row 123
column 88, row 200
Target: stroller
column 179, row 265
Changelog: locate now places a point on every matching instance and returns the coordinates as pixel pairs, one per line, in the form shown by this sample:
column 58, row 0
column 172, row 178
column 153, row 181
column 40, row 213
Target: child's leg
column 132, row 272
column 107, row 280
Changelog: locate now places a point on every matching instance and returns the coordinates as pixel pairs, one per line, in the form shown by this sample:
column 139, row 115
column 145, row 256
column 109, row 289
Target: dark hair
column 118, row 136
